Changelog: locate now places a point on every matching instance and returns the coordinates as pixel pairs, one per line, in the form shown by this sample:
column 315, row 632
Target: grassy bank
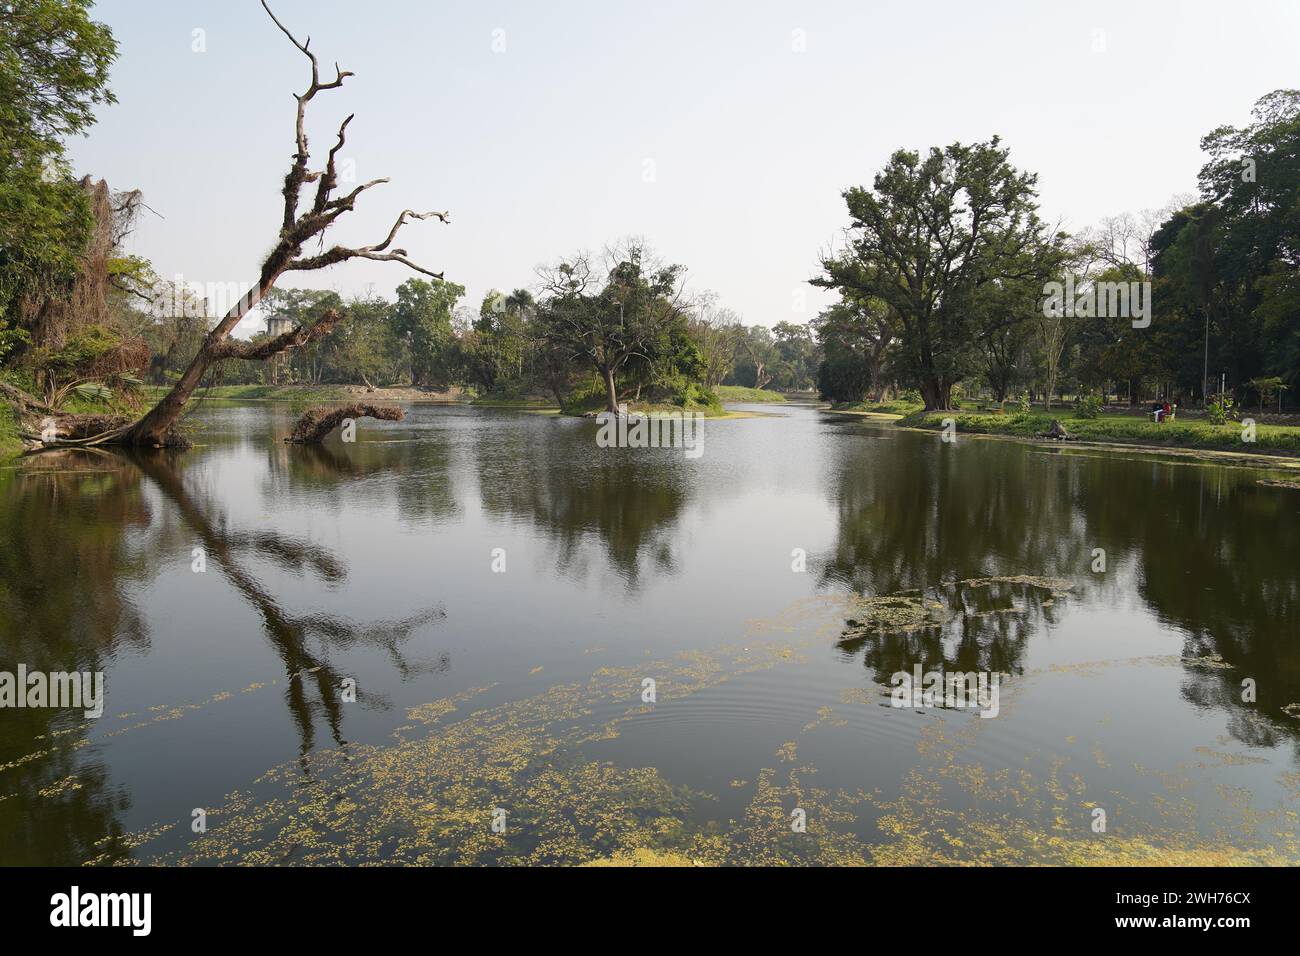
column 877, row 408
column 661, row 408
column 1120, row 429
column 739, row 393
column 285, row 393
column 10, row 445
column 502, row 401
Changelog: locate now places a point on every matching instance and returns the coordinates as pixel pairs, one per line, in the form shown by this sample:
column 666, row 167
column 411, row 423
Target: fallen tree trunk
column 40, row 426
column 1057, row 432
column 316, row 423
column 25, row 404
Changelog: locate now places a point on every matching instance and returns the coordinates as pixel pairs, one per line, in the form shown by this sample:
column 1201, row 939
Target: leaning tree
column 312, row 205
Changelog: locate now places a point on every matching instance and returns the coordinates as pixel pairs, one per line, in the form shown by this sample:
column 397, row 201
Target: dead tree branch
column 316, row 423
column 299, row 227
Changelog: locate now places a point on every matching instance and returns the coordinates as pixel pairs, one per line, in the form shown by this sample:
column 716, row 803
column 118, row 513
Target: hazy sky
column 723, row 133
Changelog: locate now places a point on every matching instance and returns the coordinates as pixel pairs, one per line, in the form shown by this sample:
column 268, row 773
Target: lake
column 475, row 636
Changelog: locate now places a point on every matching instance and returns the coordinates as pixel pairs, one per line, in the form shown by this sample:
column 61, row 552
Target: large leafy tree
column 928, row 238
column 797, row 348
column 1252, row 180
column 54, row 63
column 495, row 349
column 630, row 314
column 422, row 316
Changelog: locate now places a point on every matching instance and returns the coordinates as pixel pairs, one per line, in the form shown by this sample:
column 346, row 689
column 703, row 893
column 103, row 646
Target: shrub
column 1221, row 409
column 1089, row 406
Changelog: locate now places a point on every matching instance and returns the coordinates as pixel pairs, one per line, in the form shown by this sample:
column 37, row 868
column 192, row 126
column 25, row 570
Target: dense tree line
column 944, row 276
column 597, row 332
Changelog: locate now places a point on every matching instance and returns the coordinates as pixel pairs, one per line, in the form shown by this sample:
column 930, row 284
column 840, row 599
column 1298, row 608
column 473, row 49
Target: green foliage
column 739, row 393
column 1267, row 387
column 628, row 325
column 422, row 316
column 1222, row 409
column 10, row 444
column 688, row 394
column 1089, row 406
column 1227, row 265
column 843, row 376
column 936, row 239
column 588, row 396
column 11, row 339
column 54, row 63
column 798, row 355
column 83, row 348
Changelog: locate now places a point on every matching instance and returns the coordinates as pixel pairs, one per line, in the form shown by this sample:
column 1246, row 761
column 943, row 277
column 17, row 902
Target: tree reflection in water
column 68, row 606
column 1181, row 537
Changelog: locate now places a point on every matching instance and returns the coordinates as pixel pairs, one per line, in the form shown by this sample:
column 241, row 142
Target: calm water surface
column 518, row 695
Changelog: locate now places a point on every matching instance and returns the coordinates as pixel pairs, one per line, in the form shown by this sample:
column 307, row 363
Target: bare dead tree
column 301, row 224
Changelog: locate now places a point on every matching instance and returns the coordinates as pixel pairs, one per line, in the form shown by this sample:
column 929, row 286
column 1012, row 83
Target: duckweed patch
column 434, row 798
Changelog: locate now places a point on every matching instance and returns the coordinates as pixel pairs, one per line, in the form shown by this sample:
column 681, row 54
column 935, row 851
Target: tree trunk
column 316, row 423
column 299, row 227
column 154, row 428
column 611, row 396
column 936, row 393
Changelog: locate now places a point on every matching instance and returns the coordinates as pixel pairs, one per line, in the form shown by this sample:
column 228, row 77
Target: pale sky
column 723, row 133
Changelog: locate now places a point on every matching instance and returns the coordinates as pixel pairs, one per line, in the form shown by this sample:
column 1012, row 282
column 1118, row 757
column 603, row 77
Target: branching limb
column 295, row 338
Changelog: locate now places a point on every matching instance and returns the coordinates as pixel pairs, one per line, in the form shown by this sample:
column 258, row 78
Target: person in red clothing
column 1166, row 410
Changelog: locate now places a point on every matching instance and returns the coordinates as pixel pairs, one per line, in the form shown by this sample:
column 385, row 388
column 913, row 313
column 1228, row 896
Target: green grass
column 739, row 393
column 513, row 403
column 309, row 393
column 508, row 400
column 1123, row 429
column 652, row 408
column 591, row 398
column 10, row 445
column 898, row 407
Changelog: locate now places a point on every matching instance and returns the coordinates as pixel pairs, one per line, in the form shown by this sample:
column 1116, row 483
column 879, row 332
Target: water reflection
column 562, row 484
column 981, row 626
column 324, row 556
column 1184, row 538
column 69, row 602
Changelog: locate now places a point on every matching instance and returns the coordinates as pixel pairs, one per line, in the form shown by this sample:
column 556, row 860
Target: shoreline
column 1265, row 457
